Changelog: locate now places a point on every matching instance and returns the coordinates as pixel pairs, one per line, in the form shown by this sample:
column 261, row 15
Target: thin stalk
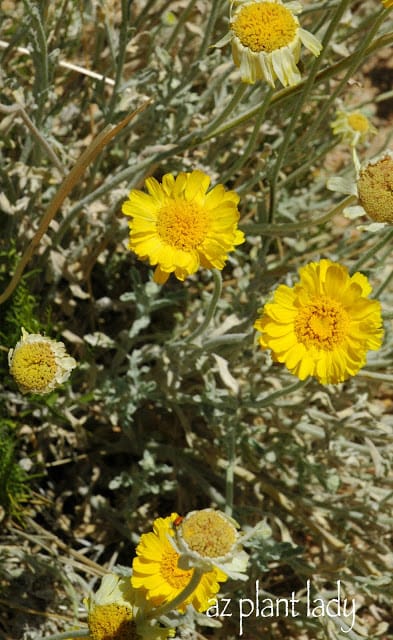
column 232, row 104
column 83, row 633
column 40, row 57
column 121, row 54
column 18, row 109
column 230, row 470
column 271, row 398
column 372, row 252
column 356, row 58
column 211, row 309
column 299, row 105
column 180, row 598
column 252, row 141
column 286, row 229
column 214, row 7
column 180, row 23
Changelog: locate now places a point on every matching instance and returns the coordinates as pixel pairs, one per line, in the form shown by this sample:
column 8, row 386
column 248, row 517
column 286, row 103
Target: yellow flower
column 388, row 4
column 374, row 190
column 156, row 570
column 210, row 538
column 324, row 325
column 39, row 364
column 179, row 226
column 353, row 127
column 116, row 612
column 266, row 41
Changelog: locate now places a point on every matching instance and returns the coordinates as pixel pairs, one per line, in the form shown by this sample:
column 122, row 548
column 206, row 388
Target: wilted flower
column 324, row 325
column 39, row 364
column 266, row 40
column 352, row 126
column 180, row 226
column 157, row 573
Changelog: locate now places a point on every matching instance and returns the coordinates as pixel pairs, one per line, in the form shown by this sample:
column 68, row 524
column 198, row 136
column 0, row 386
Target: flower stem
column 212, row 307
column 298, row 107
column 230, row 470
column 286, row 228
column 82, row 633
column 180, row 598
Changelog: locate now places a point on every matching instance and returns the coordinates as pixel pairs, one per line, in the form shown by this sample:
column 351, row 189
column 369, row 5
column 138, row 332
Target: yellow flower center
column 172, row 574
column 375, row 189
column 358, row 122
column 264, row 26
column 208, row 533
column 112, row 622
column 34, row 365
column 182, row 224
column 323, row 324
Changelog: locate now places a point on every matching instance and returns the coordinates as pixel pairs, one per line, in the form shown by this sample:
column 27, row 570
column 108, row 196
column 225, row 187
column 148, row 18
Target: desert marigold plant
column 117, row 612
column 180, row 226
column 266, row 40
column 324, row 325
column 353, row 127
column 39, row 364
column 156, row 570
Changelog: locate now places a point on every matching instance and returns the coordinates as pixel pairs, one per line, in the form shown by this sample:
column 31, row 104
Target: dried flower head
column 180, row 226
column 352, row 126
column 266, row 40
column 324, row 325
column 211, row 538
column 157, row 573
column 39, row 364
column 374, row 190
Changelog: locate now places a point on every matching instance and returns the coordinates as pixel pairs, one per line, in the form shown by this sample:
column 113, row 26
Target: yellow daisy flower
column 116, row 612
column 374, row 190
column 388, row 4
column 352, row 126
column 156, row 570
column 39, row 364
column 266, row 40
column 210, row 537
column 180, row 226
column 324, row 325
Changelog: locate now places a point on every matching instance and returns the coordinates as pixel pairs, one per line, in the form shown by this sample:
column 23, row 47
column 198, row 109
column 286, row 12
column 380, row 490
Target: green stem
column 230, row 470
column 299, row 105
column 83, row 633
column 357, row 58
column 211, row 309
column 372, row 252
column 242, row 159
column 271, row 398
column 286, row 229
column 237, row 96
column 383, row 285
column 282, row 95
column 180, row 598
column 125, row 19
column 214, row 7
